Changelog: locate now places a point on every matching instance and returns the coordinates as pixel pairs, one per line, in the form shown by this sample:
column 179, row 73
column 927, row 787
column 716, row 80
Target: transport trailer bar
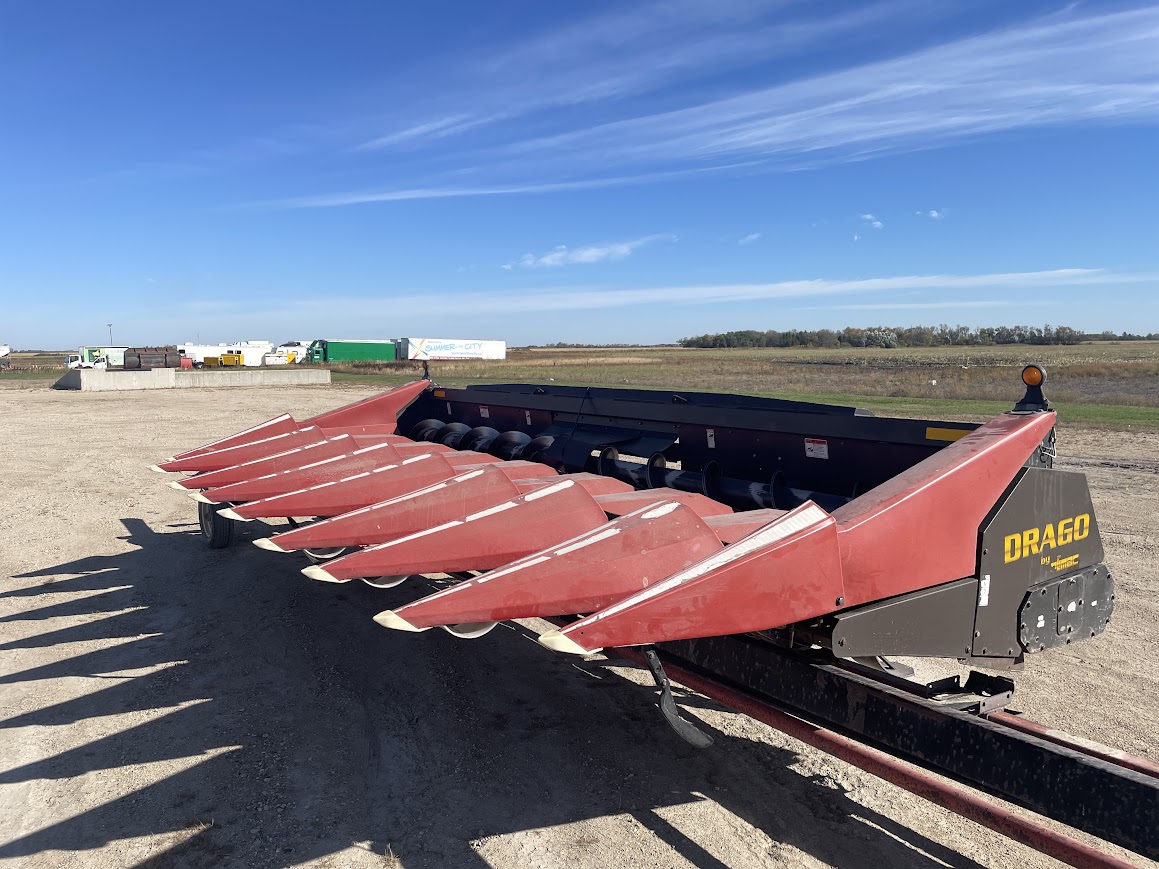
column 1003, row 755
column 878, row 763
column 1086, row 746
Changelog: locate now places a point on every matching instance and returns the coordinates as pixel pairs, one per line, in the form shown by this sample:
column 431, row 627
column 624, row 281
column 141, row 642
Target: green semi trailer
column 343, row 350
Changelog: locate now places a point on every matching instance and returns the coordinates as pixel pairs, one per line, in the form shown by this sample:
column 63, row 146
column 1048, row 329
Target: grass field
column 1107, row 383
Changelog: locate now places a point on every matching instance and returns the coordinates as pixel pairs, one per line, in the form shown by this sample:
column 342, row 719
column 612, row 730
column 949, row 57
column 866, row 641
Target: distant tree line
column 565, row 345
column 908, row 336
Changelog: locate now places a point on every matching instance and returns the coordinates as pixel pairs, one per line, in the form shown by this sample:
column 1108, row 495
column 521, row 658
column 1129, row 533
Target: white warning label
column 816, row 449
column 484, row 412
column 711, row 439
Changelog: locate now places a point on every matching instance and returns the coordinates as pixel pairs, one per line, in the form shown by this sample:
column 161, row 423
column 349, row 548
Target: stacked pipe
column 634, row 550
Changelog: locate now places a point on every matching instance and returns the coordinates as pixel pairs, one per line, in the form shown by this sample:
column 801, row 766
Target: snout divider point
column 315, row 572
column 557, row 642
column 388, row 619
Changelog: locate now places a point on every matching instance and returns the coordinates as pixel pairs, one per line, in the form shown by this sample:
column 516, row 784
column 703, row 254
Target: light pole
column 110, row 334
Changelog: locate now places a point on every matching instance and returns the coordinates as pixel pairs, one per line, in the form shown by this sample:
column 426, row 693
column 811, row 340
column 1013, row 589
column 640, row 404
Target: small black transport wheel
column 319, row 556
column 217, row 530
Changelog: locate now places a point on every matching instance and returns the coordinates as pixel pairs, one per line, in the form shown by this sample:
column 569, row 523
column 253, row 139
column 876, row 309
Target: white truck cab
column 76, row 360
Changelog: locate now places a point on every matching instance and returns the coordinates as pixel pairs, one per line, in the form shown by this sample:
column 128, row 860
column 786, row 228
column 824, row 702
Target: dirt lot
column 166, row 705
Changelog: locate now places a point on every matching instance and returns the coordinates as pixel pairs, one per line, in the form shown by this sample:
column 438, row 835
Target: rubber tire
column 216, row 529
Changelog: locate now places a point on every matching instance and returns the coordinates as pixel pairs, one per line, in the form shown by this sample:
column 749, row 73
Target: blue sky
column 595, row 172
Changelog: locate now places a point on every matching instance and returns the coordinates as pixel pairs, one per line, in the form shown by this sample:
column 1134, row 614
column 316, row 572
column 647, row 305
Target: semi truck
column 5, row 356
column 452, row 348
column 96, row 357
column 352, row 350
column 289, row 353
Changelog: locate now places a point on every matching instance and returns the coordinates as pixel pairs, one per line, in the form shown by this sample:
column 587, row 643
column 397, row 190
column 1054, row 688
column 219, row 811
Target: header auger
column 752, row 540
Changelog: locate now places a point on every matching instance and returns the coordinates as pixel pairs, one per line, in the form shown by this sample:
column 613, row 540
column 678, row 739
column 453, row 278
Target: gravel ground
column 162, row 704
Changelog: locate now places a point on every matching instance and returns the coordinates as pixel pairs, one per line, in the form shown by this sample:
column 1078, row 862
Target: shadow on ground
column 319, row 729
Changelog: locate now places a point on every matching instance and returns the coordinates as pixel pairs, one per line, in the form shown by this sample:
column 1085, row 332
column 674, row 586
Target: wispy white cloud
column 1072, row 68
column 871, row 220
column 437, row 129
column 748, row 239
column 914, row 306
column 722, row 293
column 1079, row 66
column 1069, row 69
column 563, row 298
column 360, row 197
column 932, row 214
column 630, row 51
column 563, row 255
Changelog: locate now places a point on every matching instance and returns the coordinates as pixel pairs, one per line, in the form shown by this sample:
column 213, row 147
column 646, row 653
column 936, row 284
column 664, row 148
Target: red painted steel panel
column 374, row 415
column 595, row 485
column 625, row 502
column 788, row 571
column 351, row 493
column 278, row 425
column 416, row 448
column 465, row 459
column 732, row 527
column 272, row 464
column 230, row 456
column 380, row 432
column 441, row 502
column 920, row 528
column 481, row 541
column 358, row 490
column 322, row 471
column 917, row 530
column 522, row 471
column 581, row 575
column 519, row 471
column 340, row 467
column 382, row 409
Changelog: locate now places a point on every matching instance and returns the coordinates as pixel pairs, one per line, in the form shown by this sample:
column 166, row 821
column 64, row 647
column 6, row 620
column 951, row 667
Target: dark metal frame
column 725, row 444
column 1114, row 803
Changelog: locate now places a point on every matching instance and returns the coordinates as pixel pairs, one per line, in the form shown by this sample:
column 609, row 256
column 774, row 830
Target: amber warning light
column 1034, row 375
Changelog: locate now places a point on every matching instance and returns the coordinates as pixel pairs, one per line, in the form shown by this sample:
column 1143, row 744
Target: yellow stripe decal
column 945, row 434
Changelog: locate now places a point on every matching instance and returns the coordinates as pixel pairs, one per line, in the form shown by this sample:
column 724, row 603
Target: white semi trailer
column 252, row 352
column 452, row 348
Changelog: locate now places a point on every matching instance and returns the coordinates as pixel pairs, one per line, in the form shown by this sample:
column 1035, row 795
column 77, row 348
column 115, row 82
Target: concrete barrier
column 185, row 378
column 97, row 380
column 71, row 380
